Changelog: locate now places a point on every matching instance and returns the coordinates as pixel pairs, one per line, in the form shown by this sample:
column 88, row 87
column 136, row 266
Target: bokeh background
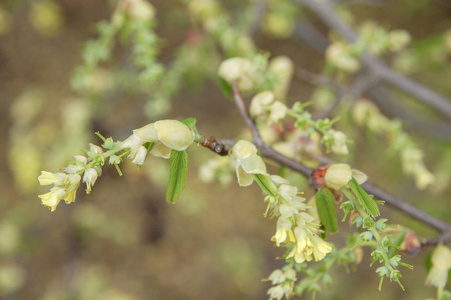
column 124, row 241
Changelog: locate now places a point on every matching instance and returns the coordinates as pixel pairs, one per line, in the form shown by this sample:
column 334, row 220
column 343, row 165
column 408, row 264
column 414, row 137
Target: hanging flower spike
column 247, row 163
column 441, row 263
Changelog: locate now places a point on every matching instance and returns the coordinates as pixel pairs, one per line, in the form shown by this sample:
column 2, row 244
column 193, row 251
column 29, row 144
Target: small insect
column 214, row 146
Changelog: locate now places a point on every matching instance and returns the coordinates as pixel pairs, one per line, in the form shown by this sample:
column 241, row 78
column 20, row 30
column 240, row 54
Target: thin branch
column 258, row 12
column 378, row 193
column 442, row 239
column 256, row 137
column 426, row 95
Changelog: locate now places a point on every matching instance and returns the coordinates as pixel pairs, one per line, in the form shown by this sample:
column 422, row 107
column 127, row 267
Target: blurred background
column 123, row 241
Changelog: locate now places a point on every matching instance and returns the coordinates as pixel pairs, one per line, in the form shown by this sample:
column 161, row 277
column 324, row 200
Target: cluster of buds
column 65, row 184
column 167, row 135
column 264, row 103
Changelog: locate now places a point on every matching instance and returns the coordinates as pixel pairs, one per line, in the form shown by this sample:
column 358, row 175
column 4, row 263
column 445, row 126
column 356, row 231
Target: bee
column 214, row 146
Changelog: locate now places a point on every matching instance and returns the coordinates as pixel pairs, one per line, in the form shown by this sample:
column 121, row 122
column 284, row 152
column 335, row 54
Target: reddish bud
column 412, row 243
column 317, row 178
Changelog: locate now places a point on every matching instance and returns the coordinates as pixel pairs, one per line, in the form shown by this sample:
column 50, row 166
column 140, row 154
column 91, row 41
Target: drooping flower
column 283, row 230
column 248, row 162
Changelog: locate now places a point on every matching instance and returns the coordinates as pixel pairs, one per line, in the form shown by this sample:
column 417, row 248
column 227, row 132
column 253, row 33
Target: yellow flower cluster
column 294, row 226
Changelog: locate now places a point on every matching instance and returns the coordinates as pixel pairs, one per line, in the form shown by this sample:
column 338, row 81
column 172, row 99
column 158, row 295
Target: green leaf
column 427, row 261
column 325, row 204
column 225, row 87
column 178, row 169
column 190, row 122
column 367, row 202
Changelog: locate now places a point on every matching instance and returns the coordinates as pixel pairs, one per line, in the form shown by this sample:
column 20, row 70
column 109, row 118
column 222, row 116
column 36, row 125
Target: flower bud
column 172, row 133
column 96, row 149
column 278, row 111
column 412, row 243
column 277, row 276
column 241, row 70
column 260, row 102
column 276, row 292
column 338, row 176
column 339, row 144
column 90, row 177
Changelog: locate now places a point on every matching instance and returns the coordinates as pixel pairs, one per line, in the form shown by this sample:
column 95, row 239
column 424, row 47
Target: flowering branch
column 379, row 193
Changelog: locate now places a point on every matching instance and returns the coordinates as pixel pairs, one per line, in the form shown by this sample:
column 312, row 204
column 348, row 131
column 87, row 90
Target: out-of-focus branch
column 258, row 12
column 377, row 92
column 379, row 68
column 378, row 193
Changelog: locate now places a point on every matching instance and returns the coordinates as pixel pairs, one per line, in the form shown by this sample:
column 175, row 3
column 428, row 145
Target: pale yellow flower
column 283, row 230
column 247, row 163
column 172, row 133
column 47, row 178
column 53, row 198
column 338, row 176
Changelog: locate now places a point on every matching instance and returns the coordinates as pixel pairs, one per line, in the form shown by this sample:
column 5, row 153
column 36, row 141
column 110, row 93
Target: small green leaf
column 368, row 202
column 325, row 204
column 428, row 261
column 225, row 87
column 178, row 169
column 190, row 122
